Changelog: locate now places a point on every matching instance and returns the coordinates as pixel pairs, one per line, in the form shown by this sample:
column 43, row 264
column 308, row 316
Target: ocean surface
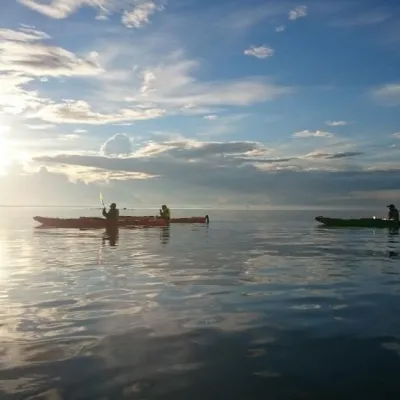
column 257, row 305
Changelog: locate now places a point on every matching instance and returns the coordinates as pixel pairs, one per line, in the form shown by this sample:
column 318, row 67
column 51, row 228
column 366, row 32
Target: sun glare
column 5, row 150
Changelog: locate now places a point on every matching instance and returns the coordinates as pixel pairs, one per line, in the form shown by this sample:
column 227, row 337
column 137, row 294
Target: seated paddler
column 165, row 212
column 113, row 214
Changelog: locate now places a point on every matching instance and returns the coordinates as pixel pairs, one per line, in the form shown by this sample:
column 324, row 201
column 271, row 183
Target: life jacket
column 166, row 213
column 394, row 214
column 113, row 214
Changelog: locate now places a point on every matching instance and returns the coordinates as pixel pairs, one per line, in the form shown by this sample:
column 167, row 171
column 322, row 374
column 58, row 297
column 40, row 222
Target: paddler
column 165, row 212
column 113, row 214
column 393, row 213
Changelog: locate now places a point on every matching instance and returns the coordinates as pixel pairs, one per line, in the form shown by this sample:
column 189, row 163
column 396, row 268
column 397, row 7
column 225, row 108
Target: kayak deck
column 358, row 222
column 183, row 220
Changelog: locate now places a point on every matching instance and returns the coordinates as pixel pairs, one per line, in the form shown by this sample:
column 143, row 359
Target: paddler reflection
column 111, row 235
column 165, row 234
column 393, row 243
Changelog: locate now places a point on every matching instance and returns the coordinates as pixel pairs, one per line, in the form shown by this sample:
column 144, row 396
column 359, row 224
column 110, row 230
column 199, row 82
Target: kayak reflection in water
column 113, row 214
column 165, row 212
column 111, row 236
column 393, row 213
column 165, row 234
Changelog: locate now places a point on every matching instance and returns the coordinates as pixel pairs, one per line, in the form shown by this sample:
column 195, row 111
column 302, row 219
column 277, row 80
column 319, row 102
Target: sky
column 200, row 103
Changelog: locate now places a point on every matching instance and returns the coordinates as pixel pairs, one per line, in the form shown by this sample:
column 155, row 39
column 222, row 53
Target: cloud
column 345, row 154
column 280, row 28
column 266, row 161
column 131, row 17
column 388, row 94
column 333, row 156
column 40, row 127
column 89, row 175
column 80, row 130
column 298, row 12
column 14, row 97
column 23, row 35
column 22, row 52
column 307, row 133
column 117, row 145
column 336, row 123
column 140, row 14
column 260, row 52
column 192, row 149
column 60, row 9
column 80, row 112
column 396, row 135
column 225, row 168
column 173, row 84
column 245, row 17
column 210, row 117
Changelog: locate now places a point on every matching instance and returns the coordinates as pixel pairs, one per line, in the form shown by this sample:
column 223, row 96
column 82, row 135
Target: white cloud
column 259, row 52
column 117, row 145
column 140, row 14
column 79, row 130
column 307, row 133
column 40, row 127
column 28, row 56
column 210, row 117
column 135, row 13
column 280, row 28
column 76, row 173
column 23, row 35
column 298, row 12
column 80, row 112
column 69, row 136
column 173, row 84
column 388, row 93
column 14, row 98
column 167, row 79
column 336, row 123
column 58, row 8
column 247, row 16
column 188, row 149
column 396, row 135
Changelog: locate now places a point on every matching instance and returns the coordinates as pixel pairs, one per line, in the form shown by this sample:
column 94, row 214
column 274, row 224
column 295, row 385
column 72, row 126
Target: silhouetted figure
column 393, row 212
column 113, row 214
column 165, row 213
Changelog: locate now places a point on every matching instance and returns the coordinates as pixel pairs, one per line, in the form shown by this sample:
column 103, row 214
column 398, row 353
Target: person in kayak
column 165, row 212
column 393, row 212
column 113, row 214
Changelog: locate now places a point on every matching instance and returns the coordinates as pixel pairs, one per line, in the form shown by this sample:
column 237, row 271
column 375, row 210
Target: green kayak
column 360, row 222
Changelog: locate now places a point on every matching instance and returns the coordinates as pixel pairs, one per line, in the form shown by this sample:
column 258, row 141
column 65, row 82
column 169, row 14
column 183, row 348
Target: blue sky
column 230, row 103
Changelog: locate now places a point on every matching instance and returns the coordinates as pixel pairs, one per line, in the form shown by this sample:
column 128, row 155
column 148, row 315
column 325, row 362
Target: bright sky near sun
column 200, row 102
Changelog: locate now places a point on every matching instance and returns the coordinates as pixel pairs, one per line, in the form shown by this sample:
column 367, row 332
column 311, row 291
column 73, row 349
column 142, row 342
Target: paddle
column 102, row 200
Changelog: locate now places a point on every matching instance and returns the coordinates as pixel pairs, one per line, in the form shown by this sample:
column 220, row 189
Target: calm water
column 257, row 305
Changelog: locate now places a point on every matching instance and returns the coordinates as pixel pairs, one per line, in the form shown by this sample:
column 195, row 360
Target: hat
column 391, row 206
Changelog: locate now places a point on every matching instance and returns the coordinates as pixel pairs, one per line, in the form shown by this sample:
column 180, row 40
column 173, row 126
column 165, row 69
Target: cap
column 391, row 206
